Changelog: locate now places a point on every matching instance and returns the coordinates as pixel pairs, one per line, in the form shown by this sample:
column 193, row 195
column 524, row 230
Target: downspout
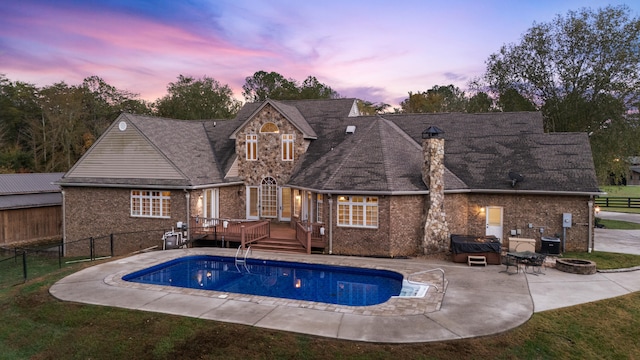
column 64, row 225
column 188, row 197
column 590, row 245
column 330, row 224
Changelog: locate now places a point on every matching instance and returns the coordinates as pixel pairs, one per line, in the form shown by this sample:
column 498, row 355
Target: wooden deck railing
column 243, row 231
column 303, row 234
column 310, row 235
column 253, row 232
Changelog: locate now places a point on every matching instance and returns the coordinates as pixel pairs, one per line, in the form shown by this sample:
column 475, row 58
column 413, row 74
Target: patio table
column 528, row 259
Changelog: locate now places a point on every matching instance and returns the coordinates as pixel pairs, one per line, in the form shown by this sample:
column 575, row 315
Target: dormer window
column 269, row 128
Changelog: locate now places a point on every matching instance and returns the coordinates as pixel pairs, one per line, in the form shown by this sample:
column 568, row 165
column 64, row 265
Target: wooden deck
column 277, row 236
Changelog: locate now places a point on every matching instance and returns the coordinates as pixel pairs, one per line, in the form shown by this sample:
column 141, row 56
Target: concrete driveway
column 620, row 241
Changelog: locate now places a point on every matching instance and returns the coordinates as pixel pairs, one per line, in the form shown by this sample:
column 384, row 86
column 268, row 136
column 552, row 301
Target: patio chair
column 536, row 263
column 510, row 261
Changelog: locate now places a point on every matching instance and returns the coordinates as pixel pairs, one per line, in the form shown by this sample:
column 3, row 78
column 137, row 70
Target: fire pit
column 576, row 266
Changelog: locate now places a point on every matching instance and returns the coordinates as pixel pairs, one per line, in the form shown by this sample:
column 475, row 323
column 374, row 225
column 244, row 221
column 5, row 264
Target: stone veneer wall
column 540, row 210
column 110, row 213
column 269, row 161
column 436, row 230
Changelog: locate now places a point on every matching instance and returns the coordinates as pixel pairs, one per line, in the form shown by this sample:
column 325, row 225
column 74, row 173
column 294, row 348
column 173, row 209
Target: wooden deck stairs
column 283, row 239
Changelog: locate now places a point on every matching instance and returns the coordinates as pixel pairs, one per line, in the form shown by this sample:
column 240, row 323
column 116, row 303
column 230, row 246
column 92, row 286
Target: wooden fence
column 618, row 202
column 30, row 225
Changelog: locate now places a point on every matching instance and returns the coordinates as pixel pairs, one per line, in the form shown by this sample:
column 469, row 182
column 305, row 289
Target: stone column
column 436, row 230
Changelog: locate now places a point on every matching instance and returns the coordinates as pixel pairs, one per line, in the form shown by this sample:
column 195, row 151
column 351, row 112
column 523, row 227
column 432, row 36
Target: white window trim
column 364, row 204
column 249, row 154
column 319, row 203
column 297, row 202
column 211, row 206
column 137, row 196
column 286, row 140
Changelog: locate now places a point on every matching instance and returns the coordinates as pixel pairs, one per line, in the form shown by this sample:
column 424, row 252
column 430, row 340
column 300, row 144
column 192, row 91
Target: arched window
column 269, row 128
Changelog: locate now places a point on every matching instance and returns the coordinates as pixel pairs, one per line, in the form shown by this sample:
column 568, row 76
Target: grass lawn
column 607, row 260
column 621, row 191
column 632, row 191
column 618, row 225
column 36, row 325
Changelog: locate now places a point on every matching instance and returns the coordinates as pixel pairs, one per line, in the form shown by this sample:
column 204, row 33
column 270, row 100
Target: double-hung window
column 358, row 211
column 287, row 147
column 155, row 204
column 252, row 146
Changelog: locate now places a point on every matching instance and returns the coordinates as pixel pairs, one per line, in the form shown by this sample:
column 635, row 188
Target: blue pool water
column 298, row 281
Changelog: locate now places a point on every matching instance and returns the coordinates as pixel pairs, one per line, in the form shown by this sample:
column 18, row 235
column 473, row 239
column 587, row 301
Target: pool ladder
column 428, row 271
column 242, row 260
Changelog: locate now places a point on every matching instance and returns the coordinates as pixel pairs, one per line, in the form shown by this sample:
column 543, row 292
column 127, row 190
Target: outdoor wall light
column 597, row 209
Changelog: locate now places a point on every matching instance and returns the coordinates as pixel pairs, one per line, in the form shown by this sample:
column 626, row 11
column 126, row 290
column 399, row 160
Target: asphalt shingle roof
column 185, row 144
column 384, row 154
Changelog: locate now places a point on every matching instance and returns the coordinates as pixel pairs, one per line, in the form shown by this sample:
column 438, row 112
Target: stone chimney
column 436, row 230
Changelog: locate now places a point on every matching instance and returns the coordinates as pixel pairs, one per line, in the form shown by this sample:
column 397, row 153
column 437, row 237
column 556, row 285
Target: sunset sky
column 374, row 50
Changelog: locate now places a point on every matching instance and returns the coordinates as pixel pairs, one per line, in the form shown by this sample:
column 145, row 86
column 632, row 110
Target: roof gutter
column 454, row 191
column 527, row 192
column 160, row 187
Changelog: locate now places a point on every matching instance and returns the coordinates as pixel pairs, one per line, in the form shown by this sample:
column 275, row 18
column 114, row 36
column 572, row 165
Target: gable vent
column 351, row 129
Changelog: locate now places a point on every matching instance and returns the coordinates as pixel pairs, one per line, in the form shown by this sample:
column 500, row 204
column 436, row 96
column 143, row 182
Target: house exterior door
column 253, row 199
column 210, row 206
column 269, row 198
column 285, row 204
column 494, row 221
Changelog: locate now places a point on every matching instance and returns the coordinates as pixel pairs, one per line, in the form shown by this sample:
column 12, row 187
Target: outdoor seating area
column 530, row 262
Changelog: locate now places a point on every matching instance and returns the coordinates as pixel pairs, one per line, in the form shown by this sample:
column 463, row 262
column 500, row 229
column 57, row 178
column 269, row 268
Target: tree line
column 581, row 70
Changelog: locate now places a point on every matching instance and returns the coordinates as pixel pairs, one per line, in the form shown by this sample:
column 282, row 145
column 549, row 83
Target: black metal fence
column 19, row 264
column 618, row 202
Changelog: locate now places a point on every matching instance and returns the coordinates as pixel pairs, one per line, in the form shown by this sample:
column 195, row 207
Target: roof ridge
column 386, row 160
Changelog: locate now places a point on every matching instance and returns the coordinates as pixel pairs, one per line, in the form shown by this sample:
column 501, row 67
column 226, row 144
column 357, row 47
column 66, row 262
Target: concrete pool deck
column 474, row 301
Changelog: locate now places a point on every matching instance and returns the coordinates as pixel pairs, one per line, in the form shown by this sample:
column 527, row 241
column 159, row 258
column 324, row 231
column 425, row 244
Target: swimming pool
column 299, row 281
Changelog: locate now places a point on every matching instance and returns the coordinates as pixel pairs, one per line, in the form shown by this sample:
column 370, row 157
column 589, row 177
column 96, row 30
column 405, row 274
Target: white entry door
column 253, row 197
column 285, row 204
column 211, row 209
column 494, row 221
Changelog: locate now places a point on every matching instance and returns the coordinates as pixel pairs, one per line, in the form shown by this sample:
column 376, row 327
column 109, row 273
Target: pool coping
column 395, row 306
column 464, row 306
